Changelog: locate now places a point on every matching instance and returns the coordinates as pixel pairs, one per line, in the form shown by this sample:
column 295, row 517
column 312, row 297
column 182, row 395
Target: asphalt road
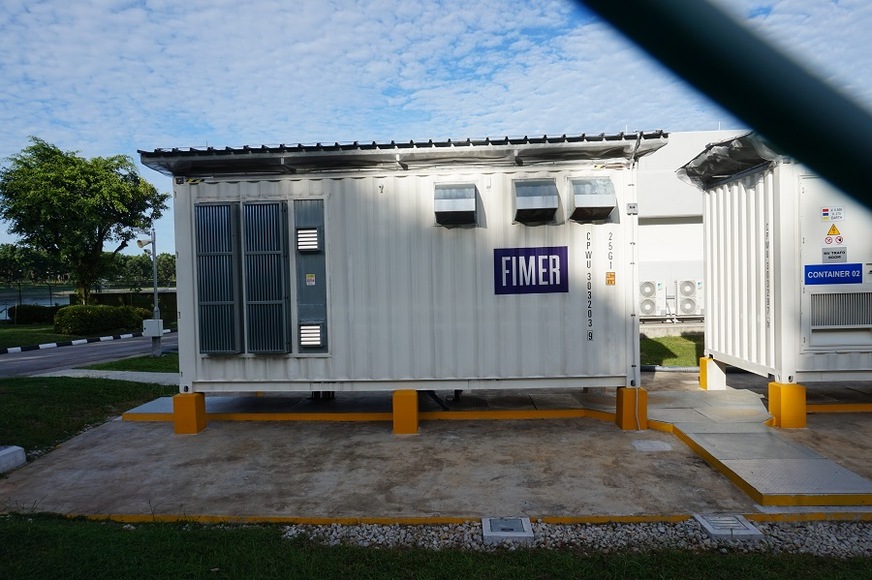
column 67, row 357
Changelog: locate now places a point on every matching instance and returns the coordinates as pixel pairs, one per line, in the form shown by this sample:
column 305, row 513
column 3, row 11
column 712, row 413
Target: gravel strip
column 838, row 539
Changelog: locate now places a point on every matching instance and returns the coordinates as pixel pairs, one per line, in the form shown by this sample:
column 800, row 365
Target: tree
column 11, row 268
column 166, row 270
column 27, row 265
column 131, row 272
column 71, row 207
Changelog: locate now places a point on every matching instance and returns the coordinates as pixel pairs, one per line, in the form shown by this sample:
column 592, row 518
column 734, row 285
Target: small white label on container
column 832, row 214
column 834, row 255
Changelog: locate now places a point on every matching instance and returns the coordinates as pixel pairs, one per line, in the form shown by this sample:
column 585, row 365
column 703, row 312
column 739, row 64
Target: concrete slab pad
column 159, row 405
column 451, row 468
column 676, row 415
column 733, row 398
column 510, row 402
column 765, row 445
column 543, row 401
column 797, row 476
column 597, row 400
column 651, row 446
column 736, row 414
column 467, row 402
column 535, row 468
column 676, row 399
column 709, row 427
column 845, row 438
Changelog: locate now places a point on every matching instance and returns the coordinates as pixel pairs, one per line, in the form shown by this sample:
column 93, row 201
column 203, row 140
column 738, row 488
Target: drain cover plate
column 728, row 526
column 497, row 530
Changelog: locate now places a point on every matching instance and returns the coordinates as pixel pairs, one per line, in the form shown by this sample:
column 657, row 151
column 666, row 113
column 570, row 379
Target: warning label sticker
column 833, row 231
column 832, row 214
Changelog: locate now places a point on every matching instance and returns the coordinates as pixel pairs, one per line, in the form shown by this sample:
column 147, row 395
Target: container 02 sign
column 819, row 274
column 531, row 270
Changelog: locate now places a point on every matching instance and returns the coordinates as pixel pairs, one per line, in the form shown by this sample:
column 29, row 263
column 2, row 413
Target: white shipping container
column 788, row 267
column 506, row 264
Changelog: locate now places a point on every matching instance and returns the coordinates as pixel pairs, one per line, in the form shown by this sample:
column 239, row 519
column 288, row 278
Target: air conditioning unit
column 690, row 298
column 652, row 298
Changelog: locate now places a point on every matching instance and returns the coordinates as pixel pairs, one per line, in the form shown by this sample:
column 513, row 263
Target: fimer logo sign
column 531, row 270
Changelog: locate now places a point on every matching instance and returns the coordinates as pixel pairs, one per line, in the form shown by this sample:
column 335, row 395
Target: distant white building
column 670, row 248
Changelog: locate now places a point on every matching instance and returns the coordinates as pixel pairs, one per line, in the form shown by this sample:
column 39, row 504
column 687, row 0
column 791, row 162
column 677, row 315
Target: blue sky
column 109, row 77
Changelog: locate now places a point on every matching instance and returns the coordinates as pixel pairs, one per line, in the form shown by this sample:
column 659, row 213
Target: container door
column 836, row 256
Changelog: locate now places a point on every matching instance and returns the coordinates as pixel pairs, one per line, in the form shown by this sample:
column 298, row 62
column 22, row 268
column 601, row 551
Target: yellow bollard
column 626, row 412
column 405, row 411
column 189, row 413
column 787, row 405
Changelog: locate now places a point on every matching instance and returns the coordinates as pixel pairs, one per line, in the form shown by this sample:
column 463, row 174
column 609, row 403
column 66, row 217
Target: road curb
column 48, row 345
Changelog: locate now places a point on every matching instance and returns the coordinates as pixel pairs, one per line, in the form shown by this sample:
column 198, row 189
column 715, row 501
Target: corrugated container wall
column 788, row 269
column 506, row 263
column 410, row 302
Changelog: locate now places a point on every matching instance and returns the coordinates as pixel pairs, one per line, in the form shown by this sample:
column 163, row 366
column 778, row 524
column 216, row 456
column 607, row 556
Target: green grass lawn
column 167, row 363
column 40, row 546
column 672, row 351
column 37, row 413
column 12, row 335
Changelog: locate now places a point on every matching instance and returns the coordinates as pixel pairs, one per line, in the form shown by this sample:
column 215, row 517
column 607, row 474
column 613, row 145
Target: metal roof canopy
column 726, row 159
column 291, row 159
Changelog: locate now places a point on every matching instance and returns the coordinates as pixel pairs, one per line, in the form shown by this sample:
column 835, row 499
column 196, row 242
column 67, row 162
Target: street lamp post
column 155, row 330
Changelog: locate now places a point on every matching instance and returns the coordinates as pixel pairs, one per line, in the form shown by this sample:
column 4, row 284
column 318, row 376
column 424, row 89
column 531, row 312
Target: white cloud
column 109, row 77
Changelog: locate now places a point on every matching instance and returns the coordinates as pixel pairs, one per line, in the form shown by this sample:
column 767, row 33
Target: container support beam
column 712, row 374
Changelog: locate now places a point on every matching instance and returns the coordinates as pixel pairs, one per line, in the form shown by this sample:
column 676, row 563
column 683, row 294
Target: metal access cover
column 651, row 445
column 498, row 530
column 728, row 527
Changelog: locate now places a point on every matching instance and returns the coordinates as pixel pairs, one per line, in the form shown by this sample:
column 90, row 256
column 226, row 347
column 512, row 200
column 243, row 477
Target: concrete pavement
column 555, row 469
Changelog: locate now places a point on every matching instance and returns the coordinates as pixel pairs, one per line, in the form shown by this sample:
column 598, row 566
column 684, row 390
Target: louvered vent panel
column 217, row 295
column 310, row 335
column 307, row 240
column 841, row 310
column 266, row 278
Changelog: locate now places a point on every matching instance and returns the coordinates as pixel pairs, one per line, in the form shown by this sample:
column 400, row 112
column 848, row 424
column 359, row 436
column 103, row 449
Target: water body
column 43, row 295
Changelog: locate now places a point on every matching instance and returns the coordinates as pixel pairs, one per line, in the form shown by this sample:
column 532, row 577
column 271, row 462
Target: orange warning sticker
column 834, row 231
column 610, row 278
